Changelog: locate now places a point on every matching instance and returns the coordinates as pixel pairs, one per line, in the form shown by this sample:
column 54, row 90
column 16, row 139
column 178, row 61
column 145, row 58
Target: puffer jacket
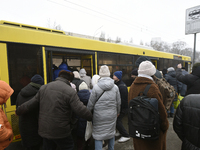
column 86, row 78
column 28, row 123
column 62, row 66
column 171, row 78
column 184, row 86
column 186, row 122
column 105, row 109
column 84, row 96
column 6, row 133
column 57, row 101
column 191, row 80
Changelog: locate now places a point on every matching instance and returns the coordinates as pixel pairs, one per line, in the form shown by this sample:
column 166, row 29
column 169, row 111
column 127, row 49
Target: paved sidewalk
column 173, row 142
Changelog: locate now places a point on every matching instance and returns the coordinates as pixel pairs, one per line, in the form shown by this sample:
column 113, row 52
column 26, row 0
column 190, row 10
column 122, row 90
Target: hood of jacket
column 84, row 96
column 29, row 90
column 196, row 72
column 5, row 92
column 172, row 74
column 63, row 66
column 105, row 83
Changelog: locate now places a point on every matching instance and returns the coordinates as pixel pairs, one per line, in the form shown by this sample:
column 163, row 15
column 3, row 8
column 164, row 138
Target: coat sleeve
column 79, row 108
column 130, row 93
column 177, row 123
column 118, row 101
column 182, row 78
column 163, row 114
column 123, row 95
column 29, row 105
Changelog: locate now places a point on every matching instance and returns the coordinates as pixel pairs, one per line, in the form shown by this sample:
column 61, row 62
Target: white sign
column 192, row 20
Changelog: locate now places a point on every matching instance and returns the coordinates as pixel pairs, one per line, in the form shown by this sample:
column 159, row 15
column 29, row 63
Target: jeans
column 99, row 144
column 63, row 144
column 171, row 109
column 119, row 124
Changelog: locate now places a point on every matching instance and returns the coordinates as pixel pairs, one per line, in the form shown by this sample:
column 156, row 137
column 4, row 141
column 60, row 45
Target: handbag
column 88, row 130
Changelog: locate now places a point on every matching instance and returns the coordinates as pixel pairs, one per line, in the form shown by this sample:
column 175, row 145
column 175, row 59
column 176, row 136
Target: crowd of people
column 54, row 116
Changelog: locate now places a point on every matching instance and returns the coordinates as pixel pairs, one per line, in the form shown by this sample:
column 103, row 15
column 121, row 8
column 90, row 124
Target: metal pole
column 194, row 48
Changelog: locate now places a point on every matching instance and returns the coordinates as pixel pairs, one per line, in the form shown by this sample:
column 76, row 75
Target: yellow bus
column 26, row 50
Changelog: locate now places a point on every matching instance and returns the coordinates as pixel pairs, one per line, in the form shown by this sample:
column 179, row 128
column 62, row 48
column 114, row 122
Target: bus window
column 72, row 61
column 24, row 61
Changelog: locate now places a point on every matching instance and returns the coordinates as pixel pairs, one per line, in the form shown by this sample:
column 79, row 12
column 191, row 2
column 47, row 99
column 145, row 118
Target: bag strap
column 146, row 89
column 99, row 96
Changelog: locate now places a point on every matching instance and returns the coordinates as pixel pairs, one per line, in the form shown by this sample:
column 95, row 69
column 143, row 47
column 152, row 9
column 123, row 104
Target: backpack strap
column 146, row 89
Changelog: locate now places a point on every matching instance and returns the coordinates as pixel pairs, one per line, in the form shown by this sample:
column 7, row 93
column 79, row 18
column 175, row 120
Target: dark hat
column 134, row 72
column 141, row 59
column 66, row 74
column 118, row 74
column 37, row 79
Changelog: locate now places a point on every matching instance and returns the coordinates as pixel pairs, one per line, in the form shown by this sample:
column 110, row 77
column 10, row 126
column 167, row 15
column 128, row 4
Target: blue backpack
column 143, row 117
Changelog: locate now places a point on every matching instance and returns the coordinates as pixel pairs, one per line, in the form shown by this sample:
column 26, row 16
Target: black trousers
column 119, row 125
column 63, row 144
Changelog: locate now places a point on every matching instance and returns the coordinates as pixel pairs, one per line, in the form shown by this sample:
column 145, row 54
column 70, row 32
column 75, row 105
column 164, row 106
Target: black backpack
column 143, row 116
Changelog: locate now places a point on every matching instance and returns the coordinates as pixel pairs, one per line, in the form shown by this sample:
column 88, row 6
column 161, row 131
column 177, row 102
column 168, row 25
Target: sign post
column 192, row 24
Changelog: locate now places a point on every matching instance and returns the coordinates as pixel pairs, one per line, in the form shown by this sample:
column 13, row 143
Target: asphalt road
column 173, row 142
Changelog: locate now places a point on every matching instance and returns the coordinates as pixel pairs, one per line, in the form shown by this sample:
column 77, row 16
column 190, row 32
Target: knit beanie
column 37, row 79
column 170, row 69
column 141, row 59
column 118, row 74
column 82, row 72
column 95, row 79
column 76, row 74
column 83, row 86
column 104, row 71
column 147, row 68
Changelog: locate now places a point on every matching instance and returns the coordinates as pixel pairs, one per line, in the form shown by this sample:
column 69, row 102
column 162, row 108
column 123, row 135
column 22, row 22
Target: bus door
column 74, row 62
column 87, row 64
column 155, row 63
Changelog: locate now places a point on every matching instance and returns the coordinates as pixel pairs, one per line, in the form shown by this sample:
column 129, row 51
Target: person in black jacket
column 186, row 122
column 171, row 78
column 56, row 101
column 191, row 80
column 28, row 123
column 124, row 105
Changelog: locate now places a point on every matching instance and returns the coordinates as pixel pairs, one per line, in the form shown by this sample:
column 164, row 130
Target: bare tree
column 109, row 39
column 102, row 36
column 157, row 45
column 141, row 42
column 118, row 40
column 131, row 40
column 178, row 46
column 53, row 25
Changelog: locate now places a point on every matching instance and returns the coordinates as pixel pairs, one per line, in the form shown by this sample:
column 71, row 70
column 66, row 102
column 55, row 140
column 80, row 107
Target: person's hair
column 196, row 65
column 66, row 74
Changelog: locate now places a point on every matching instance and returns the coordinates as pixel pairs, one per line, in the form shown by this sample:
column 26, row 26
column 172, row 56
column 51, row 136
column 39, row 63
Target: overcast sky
column 136, row 19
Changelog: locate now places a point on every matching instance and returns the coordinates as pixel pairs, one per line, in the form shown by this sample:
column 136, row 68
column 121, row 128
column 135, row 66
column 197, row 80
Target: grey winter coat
column 105, row 109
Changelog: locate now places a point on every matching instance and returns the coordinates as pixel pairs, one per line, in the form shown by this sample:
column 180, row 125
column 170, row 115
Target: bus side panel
column 5, row 77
